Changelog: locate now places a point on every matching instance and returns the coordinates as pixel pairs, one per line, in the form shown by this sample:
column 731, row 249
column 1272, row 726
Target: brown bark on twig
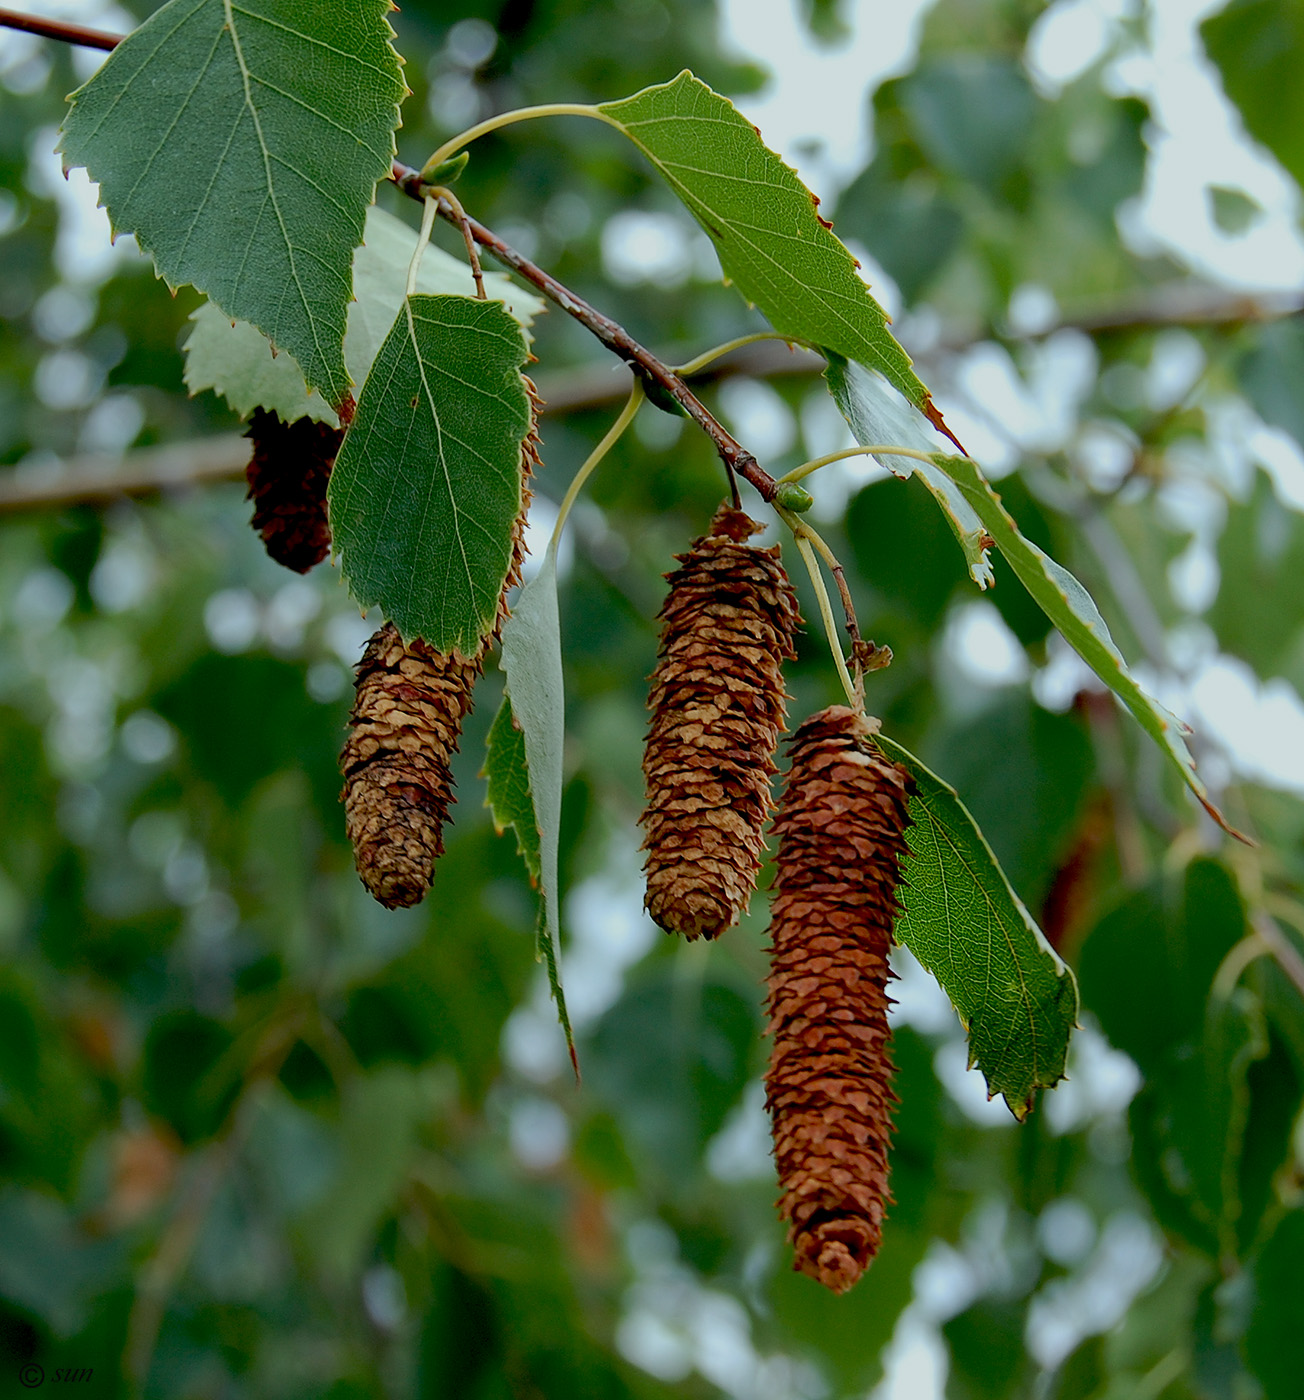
column 59, row 29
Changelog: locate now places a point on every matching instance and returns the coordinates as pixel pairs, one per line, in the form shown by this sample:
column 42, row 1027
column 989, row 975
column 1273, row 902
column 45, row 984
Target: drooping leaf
column 877, row 414
column 242, row 147
column 1016, row 997
column 428, row 482
column 1259, row 47
column 531, row 658
column 1071, row 608
column 764, row 223
column 507, row 777
column 237, row 361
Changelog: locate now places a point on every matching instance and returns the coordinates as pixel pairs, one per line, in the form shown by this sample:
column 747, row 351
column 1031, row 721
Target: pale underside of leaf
column 427, row 485
column 238, row 362
column 531, row 659
column 764, row 223
column 1015, row 996
column 242, row 144
column 1070, row 607
column 876, row 413
column 507, row 788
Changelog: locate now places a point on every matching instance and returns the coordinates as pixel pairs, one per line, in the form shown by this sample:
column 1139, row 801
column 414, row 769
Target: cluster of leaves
column 262, row 1136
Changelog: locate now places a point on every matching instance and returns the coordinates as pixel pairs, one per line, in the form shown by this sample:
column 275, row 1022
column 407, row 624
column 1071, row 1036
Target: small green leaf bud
column 793, row 497
column 446, row 171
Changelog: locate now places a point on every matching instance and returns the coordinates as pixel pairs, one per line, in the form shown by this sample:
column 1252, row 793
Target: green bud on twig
column 793, row 497
column 446, row 171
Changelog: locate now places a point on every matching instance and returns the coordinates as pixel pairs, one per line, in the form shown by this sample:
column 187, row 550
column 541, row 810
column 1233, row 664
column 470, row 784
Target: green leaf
column 242, row 147
column 428, row 482
column 1149, row 974
column 238, row 361
column 1233, row 210
column 671, row 1058
column 876, row 414
column 508, row 798
column 1071, row 608
column 379, row 1117
column 531, row 659
column 1259, row 46
column 960, row 918
column 1260, row 556
column 764, row 223
column 1271, row 371
column 1272, row 1341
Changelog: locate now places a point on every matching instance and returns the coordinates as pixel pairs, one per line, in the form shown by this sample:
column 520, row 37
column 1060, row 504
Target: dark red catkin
column 717, row 705
column 841, row 834
column 403, row 731
column 287, row 476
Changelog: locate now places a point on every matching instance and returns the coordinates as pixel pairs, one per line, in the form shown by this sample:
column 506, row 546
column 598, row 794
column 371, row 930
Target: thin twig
column 95, row 479
column 472, row 254
column 848, row 607
column 613, row 335
column 59, row 29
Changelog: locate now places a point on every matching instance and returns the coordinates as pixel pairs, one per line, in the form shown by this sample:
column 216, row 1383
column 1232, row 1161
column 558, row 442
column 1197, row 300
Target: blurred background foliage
column 261, row 1138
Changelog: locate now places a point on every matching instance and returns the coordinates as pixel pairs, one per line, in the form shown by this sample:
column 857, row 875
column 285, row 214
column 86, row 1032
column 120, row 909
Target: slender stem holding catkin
column 521, row 114
column 612, row 436
column 472, row 252
column 883, row 449
column 427, row 223
column 840, row 578
column 803, row 542
column 801, row 530
column 700, row 362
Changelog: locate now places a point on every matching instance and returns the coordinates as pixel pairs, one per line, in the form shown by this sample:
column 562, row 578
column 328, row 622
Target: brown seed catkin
column 403, row 731
column 841, row 834
column 717, row 705
column 287, row 475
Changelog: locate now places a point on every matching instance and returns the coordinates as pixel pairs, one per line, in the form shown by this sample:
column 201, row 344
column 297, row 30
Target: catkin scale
column 287, row 475
column 405, row 726
column 841, row 841
column 718, row 705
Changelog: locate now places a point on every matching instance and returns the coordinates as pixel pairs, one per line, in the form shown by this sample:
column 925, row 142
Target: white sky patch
column 83, row 252
column 1199, row 141
column 1068, row 38
column 981, row 646
column 759, row 416
column 1259, row 723
column 1125, row 1261
column 815, row 109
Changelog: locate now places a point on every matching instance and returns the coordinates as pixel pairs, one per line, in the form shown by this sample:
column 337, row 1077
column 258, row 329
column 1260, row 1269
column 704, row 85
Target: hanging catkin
column 717, row 707
column 403, row 731
column 841, row 833
column 287, row 476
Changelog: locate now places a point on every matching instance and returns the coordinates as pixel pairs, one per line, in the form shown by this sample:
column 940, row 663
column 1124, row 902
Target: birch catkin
column 841, row 833
column 403, row 732
column 717, row 705
column 287, row 476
